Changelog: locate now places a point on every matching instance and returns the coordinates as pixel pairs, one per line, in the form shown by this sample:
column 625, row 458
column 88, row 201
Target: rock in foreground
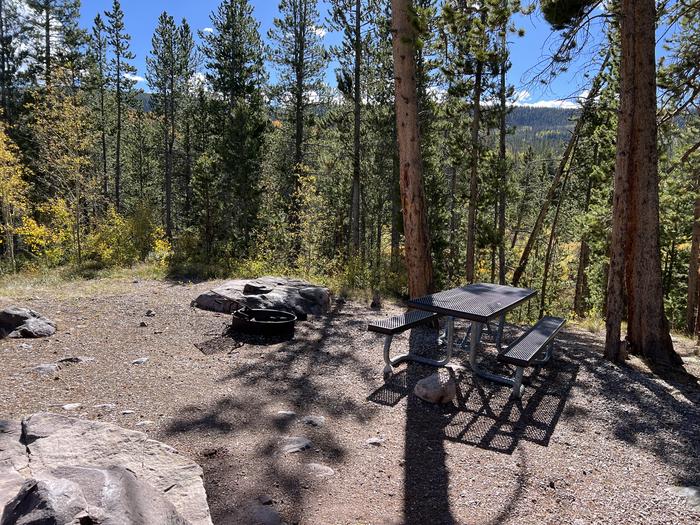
column 78, row 471
column 278, row 293
column 23, row 322
column 437, row 388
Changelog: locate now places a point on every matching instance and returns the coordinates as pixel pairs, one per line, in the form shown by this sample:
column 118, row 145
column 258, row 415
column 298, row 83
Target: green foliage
column 562, row 13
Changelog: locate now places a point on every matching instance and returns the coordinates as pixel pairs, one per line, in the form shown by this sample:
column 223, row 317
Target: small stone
column 690, row 494
column 294, row 444
column 74, row 359
column 145, row 423
column 265, row 499
column 143, row 324
column 140, row 361
column 551, row 484
column 314, row 421
column 376, row 441
column 25, row 346
column 319, row 470
column 127, row 412
column 286, row 413
column 437, row 388
column 105, row 406
column 264, row 515
column 46, row 369
column 71, row 406
column 150, row 313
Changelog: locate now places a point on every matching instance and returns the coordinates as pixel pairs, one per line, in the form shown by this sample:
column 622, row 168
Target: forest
column 217, row 170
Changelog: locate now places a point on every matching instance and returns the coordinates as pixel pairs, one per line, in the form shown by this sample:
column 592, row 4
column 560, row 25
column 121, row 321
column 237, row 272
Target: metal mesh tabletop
column 476, row 302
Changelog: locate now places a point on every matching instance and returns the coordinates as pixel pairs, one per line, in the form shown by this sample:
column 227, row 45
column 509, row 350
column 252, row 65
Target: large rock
column 279, row 293
column 117, row 475
column 23, row 322
column 437, row 388
column 109, row 496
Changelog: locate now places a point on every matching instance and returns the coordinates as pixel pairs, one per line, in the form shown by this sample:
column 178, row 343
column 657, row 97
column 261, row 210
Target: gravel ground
column 589, row 442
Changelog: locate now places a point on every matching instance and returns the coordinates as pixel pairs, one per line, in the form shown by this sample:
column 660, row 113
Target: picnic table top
column 478, row 302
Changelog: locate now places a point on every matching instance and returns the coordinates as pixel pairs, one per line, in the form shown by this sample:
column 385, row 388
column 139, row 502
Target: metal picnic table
column 478, row 303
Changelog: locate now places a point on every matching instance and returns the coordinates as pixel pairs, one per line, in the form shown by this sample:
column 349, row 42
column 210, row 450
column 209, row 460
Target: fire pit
column 263, row 322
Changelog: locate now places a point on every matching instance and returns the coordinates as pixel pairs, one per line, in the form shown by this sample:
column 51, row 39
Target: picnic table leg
column 393, row 362
column 499, row 334
column 474, row 346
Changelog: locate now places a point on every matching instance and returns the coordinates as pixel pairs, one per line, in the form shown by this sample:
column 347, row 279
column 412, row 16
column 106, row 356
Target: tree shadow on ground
column 286, row 376
column 642, row 410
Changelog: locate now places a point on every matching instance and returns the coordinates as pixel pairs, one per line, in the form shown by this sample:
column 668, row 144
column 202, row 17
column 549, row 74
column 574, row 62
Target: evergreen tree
column 12, row 56
column 53, row 30
column 300, row 58
column 169, row 73
column 120, row 78
column 234, row 61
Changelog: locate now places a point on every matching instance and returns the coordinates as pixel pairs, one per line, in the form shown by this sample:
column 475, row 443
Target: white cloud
column 135, row 78
column 562, row 104
column 320, row 32
column 524, row 98
column 208, row 30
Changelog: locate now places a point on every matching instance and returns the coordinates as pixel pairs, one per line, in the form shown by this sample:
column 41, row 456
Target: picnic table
column 479, row 303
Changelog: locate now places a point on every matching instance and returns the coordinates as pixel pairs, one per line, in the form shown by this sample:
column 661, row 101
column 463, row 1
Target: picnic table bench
column 478, row 303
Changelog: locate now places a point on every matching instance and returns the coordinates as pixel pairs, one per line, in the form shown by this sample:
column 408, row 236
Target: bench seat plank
column 523, row 351
column 399, row 323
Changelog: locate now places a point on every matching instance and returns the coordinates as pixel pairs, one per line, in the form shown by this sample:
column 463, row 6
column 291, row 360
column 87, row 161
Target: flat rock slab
column 278, row 293
column 67, row 465
column 22, row 322
column 319, row 470
column 294, row 444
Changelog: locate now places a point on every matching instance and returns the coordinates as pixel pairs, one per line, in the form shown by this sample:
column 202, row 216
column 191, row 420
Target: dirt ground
column 589, row 442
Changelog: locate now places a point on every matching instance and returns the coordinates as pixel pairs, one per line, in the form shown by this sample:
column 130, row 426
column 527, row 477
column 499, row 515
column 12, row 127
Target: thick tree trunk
column 635, row 245
column 415, row 219
column 355, row 211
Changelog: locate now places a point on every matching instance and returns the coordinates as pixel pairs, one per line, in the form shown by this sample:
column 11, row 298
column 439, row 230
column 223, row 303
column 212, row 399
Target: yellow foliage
column 50, row 238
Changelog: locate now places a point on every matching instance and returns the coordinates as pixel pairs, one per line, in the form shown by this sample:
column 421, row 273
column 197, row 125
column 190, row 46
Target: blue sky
column 141, row 17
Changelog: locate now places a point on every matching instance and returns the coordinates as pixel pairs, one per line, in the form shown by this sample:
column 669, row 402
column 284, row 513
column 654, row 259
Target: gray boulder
column 437, row 388
column 109, row 496
column 23, row 322
column 279, row 293
column 118, row 475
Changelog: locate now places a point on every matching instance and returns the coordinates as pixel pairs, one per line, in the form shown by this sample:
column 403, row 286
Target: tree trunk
column 635, row 245
column 4, row 76
column 418, row 259
column 502, row 161
column 395, row 202
column 355, row 210
column 694, row 267
column 474, row 174
column 47, row 43
column 590, row 98
column 550, row 246
column 581, row 293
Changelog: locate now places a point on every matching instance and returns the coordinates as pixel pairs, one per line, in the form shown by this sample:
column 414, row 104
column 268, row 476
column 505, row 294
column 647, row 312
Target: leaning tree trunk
column 418, row 261
column 539, row 222
column 636, row 245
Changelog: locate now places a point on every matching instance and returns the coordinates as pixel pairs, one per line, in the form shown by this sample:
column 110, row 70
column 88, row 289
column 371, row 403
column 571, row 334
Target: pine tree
column 169, row 72
column 13, row 193
column 53, row 28
column 235, row 70
column 120, row 77
column 299, row 56
column 12, row 56
column 97, row 82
